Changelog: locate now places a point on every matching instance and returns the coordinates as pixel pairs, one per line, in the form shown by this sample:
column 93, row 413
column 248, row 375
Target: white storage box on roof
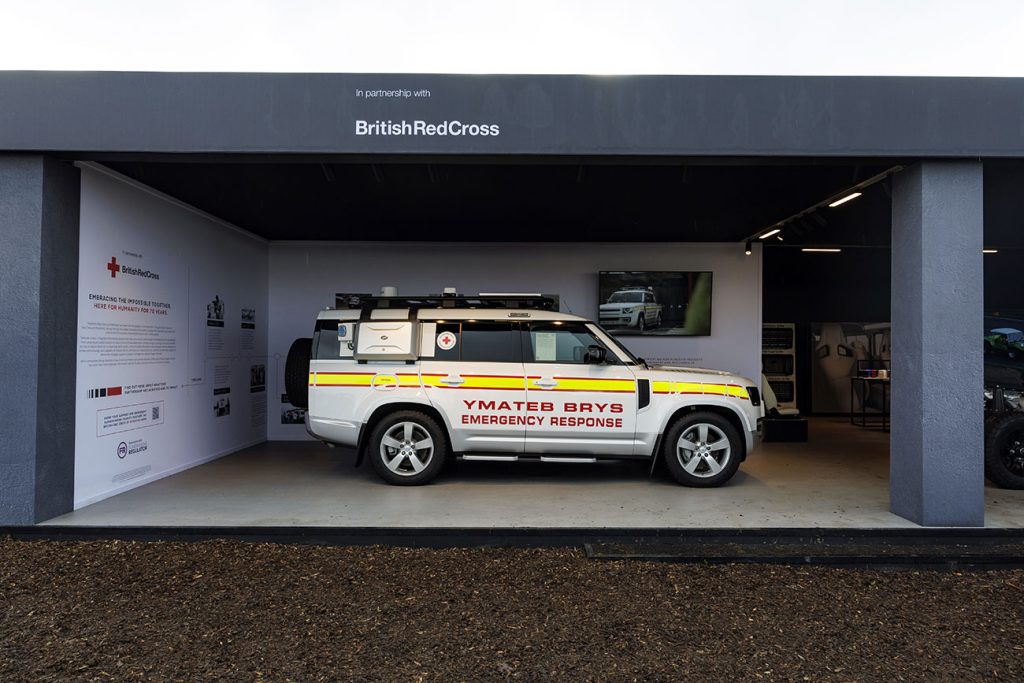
column 387, row 340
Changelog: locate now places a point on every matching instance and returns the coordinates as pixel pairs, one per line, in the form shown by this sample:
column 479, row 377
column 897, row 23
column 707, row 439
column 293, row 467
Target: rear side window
column 488, row 342
column 478, row 342
column 444, row 348
column 325, row 339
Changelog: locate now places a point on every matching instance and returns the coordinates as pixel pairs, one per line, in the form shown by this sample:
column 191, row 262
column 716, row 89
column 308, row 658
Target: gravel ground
column 237, row 611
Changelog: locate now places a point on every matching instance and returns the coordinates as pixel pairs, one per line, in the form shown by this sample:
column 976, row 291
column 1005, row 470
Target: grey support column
column 937, row 440
column 39, row 206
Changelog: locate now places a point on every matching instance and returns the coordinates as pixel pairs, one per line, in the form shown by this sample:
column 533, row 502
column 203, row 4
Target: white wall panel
column 162, row 384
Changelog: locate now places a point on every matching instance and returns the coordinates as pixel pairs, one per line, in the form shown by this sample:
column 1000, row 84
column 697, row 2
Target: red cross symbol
column 113, row 267
column 447, row 340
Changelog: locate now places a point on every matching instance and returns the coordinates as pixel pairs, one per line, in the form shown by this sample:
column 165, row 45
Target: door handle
column 453, row 381
column 545, row 383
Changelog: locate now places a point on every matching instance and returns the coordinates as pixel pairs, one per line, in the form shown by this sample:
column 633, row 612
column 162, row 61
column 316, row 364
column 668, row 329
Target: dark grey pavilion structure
column 934, row 140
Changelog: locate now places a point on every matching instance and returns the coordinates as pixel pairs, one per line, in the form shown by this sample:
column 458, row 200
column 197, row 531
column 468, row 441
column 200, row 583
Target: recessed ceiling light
column 843, row 200
column 822, row 250
column 768, row 234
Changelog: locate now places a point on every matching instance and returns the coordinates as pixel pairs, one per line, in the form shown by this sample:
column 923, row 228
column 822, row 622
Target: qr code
column 156, row 412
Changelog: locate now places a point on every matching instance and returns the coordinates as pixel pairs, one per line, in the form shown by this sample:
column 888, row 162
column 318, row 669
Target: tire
column 296, row 372
column 641, row 322
column 702, row 467
column 405, row 463
column 1004, row 451
column 657, row 322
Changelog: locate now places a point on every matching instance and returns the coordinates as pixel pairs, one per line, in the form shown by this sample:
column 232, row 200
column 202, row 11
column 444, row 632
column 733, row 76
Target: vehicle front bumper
column 618, row 320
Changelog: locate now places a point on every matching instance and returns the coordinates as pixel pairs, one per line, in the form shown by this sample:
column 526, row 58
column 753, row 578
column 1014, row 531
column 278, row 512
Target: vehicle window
column 647, row 298
column 491, row 342
column 325, row 339
column 564, row 343
column 625, row 298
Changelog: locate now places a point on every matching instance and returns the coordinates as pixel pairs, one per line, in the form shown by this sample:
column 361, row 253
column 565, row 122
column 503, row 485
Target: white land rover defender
column 631, row 307
column 412, row 381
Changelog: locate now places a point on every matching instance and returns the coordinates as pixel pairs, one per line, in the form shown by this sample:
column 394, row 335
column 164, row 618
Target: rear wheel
column 1004, row 451
column 702, row 450
column 407, row 448
column 296, row 372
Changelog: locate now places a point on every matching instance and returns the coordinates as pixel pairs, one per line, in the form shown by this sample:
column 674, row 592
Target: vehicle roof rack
column 543, row 302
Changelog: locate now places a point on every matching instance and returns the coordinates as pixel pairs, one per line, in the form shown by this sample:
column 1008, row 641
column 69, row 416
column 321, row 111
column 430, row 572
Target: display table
column 866, row 384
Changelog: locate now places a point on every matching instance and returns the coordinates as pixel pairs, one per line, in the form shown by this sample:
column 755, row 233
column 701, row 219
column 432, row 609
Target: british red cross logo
column 113, row 267
column 446, row 341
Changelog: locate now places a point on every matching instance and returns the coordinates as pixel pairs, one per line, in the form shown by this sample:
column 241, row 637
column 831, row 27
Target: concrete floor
column 838, row 479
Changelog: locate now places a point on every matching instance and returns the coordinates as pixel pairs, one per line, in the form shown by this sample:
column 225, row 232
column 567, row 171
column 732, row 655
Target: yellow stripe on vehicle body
column 587, row 384
column 332, row 379
column 362, row 379
column 738, row 391
column 485, row 382
column 661, row 387
column 733, row 390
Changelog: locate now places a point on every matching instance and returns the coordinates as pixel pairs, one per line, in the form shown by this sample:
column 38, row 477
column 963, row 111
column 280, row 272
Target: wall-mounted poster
column 655, row 302
column 839, row 351
column 161, row 375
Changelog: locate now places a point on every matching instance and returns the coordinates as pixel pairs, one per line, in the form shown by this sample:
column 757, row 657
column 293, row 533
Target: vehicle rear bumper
column 344, row 432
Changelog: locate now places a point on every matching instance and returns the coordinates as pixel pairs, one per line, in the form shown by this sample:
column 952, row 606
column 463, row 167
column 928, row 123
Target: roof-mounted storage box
column 385, row 340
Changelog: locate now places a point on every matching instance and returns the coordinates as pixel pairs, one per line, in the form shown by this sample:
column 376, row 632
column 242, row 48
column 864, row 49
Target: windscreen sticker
column 446, row 341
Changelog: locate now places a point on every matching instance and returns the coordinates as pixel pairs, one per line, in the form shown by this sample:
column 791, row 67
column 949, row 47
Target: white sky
column 868, row 37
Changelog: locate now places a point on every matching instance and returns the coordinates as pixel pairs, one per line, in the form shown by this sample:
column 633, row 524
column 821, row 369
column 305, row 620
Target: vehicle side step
column 549, row 458
column 491, row 458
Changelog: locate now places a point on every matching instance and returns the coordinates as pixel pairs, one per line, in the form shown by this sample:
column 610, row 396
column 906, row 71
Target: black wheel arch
column 728, row 414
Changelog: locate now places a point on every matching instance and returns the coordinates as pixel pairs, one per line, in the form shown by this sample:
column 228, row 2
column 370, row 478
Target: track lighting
column 748, row 250
column 843, row 200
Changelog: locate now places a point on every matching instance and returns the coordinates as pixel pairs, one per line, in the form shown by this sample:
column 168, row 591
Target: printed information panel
column 168, row 329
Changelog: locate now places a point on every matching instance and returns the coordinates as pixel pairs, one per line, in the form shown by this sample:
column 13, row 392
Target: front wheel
column 702, row 450
column 407, row 448
column 1004, row 451
column 641, row 322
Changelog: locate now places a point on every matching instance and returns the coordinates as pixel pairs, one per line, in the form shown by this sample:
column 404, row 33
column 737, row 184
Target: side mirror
column 595, row 355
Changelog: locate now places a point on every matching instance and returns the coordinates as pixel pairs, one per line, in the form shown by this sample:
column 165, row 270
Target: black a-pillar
column 937, row 439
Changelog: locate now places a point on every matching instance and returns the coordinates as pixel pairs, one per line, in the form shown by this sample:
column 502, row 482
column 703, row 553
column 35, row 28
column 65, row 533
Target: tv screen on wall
column 656, row 303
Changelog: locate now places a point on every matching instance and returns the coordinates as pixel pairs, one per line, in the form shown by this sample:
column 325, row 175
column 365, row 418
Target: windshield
column 614, row 344
column 626, row 298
